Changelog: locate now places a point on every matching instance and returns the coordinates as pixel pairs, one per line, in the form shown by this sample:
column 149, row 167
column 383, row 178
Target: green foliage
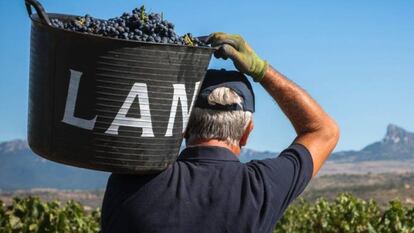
column 346, row 214
column 142, row 14
column 397, row 219
column 32, row 215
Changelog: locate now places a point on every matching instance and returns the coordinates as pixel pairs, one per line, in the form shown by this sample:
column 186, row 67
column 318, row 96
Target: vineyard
column 32, row 215
column 345, row 214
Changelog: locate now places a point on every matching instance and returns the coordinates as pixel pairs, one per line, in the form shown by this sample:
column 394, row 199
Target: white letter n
column 180, row 95
column 138, row 90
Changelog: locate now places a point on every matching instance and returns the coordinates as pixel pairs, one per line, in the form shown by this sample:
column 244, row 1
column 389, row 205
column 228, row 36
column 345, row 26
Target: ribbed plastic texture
column 109, row 104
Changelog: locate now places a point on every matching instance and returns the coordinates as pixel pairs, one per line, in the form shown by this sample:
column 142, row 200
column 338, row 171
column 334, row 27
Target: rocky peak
column 396, row 134
column 13, row 146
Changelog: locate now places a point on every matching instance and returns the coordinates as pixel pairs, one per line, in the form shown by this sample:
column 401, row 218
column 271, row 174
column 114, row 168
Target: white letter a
column 138, row 90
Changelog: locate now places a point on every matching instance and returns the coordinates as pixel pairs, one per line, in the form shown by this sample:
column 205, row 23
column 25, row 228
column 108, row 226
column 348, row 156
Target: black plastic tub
column 108, row 104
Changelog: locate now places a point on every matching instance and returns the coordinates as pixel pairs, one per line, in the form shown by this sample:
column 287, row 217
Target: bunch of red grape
column 138, row 26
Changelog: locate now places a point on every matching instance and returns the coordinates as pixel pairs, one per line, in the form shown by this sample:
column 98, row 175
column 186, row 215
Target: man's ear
column 243, row 139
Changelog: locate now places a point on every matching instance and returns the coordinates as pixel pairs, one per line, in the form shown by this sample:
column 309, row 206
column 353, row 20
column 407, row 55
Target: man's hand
column 243, row 56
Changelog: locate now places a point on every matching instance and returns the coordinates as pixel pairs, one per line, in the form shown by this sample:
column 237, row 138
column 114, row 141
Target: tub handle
column 39, row 10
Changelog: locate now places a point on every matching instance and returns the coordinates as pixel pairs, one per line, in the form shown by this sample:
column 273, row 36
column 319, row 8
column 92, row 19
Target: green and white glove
column 243, row 56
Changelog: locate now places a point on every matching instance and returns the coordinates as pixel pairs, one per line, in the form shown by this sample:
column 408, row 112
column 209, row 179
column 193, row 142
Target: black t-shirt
column 207, row 190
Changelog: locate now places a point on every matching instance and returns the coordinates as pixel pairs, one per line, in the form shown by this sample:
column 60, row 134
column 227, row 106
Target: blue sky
column 356, row 58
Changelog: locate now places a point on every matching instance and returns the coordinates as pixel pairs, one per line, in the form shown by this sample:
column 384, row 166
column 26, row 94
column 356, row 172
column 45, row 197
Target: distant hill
column 398, row 144
column 249, row 154
column 20, row 168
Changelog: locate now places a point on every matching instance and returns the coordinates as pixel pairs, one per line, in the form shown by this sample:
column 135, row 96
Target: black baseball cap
column 234, row 80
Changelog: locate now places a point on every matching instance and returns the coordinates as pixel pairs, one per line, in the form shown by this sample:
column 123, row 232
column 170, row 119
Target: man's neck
column 214, row 142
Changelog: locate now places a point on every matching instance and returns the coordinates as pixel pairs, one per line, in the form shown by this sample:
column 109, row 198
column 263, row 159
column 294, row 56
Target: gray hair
column 226, row 126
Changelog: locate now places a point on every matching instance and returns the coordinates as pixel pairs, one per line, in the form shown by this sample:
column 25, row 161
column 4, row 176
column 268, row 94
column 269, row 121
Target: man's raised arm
column 315, row 129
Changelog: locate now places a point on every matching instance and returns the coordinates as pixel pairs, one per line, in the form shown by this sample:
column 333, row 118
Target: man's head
column 223, row 110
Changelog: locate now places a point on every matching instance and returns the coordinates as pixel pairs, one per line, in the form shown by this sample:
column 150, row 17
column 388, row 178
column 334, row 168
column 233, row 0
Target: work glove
column 243, row 56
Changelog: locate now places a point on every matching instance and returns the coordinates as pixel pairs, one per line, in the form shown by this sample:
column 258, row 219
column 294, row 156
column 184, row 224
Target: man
column 208, row 189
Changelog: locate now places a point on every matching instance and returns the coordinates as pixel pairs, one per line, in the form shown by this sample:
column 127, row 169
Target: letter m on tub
column 180, row 96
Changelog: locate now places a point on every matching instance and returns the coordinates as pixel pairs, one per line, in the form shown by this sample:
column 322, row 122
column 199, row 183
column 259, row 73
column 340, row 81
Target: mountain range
column 20, row 168
column 398, row 144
